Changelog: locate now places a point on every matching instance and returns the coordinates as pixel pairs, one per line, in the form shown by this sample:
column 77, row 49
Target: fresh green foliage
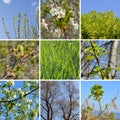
column 97, row 92
column 100, row 25
column 60, row 59
column 19, row 103
column 88, row 109
column 100, row 59
column 94, row 52
column 99, row 51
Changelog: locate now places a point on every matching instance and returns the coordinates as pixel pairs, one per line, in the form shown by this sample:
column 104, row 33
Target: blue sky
column 10, row 8
column 110, row 91
column 100, row 6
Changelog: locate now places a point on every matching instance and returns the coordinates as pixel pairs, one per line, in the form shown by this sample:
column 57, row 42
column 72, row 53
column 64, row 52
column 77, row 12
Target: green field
column 60, row 60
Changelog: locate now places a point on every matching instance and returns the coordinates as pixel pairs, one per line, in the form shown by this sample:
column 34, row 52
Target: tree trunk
column 112, row 59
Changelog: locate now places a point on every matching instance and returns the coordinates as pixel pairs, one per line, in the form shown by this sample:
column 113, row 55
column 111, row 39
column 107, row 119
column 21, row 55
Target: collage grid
column 57, row 73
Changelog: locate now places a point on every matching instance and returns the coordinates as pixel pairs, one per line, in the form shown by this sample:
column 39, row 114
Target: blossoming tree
column 60, row 19
column 19, row 100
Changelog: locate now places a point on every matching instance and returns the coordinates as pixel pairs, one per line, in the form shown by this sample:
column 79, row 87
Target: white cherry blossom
column 57, row 33
column 44, row 24
column 75, row 26
column 61, row 12
column 54, row 11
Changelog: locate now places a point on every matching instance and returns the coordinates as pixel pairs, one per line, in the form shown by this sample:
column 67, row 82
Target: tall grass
column 60, row 59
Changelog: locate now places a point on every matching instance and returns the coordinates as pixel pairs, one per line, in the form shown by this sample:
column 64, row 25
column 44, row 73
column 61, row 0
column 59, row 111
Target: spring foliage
column 19, row 60
column 100, row 25
column 104, row 112
column 100, row 59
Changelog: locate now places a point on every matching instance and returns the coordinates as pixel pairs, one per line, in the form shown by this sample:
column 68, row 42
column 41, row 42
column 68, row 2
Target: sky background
column 110, row 89
column 100, row 6
column 10, row 8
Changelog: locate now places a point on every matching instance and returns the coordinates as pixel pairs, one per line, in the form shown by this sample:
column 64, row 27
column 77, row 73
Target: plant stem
column 100, row 106
column 95, row 54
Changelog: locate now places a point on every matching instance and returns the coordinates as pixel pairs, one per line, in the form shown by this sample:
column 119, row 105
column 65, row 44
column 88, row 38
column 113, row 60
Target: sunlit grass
column 60, row 59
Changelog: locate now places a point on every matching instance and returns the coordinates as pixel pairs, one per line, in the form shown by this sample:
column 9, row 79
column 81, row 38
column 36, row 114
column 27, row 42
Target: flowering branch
column 4, row 101
column 59, row 21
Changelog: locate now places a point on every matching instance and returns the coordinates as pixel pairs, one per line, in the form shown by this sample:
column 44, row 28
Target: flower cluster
column 56, row 33
column 57, row 11
column 72, row 22
column 21, row 93
column 44, row 24
column 14, row 96
column 60, row 21
column 11, row 83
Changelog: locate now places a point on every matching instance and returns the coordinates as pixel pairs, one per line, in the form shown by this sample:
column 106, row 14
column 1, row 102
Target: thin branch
column 4, row 101
column 5, row 59
column 44, row 108
column 6, row 32
column 43, row 117
column 97, row 59
column 6, row 76
column 87, row 63
column 75, row 115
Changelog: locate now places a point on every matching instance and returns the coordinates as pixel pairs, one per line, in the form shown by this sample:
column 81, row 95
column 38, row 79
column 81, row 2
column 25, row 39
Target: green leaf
column 89, row 57
column 46, row 9
column 118, row 68
column 106, row 71
column 68, row 15
column 22, row 50
column 103, row 53
column 89, row 49
column 89, row 96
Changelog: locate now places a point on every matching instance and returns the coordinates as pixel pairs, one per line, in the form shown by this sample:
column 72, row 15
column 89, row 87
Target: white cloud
column 7, row 1
column 34, row 3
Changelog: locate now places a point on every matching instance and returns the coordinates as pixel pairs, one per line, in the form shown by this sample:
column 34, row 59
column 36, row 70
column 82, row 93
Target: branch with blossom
column 19, row 102
column 59, row 21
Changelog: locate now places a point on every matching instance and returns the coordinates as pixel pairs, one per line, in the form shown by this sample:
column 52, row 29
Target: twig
column 95, row 54
column 4, row 101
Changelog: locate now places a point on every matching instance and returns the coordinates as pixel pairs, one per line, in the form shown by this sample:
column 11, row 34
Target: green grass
column 60, row 60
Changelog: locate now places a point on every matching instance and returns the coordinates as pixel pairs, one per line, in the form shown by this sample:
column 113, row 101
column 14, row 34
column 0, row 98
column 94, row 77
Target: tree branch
column 102, row 75
column 6, row 76
column 4, row 101
column 43, row 117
